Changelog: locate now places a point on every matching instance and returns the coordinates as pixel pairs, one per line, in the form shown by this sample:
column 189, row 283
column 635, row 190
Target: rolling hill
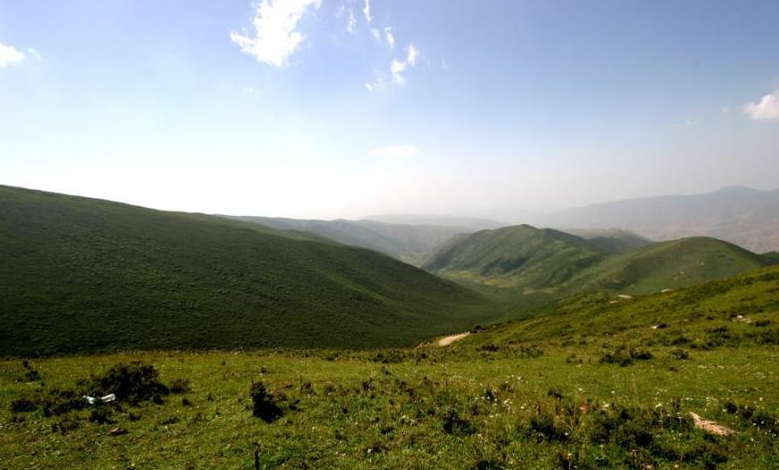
column 409, row 243
column 520, row 256
column 726, row 312
column 612, row 240
column 529, row 260
column 743, row 216
column 670, row 265
column 86, row 275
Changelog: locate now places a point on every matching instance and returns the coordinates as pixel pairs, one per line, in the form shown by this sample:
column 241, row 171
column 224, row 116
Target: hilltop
column 670, row 265
column 521, row 256
column 530, row 260
column 87, row 275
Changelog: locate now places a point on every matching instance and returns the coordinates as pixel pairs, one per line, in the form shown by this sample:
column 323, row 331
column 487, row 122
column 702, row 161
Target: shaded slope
column 612, row 240
column 85, row 275
column 518, row 257
column 409, row 243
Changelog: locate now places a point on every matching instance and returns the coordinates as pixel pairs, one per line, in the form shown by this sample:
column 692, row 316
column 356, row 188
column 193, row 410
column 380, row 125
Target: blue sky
column 313, row 108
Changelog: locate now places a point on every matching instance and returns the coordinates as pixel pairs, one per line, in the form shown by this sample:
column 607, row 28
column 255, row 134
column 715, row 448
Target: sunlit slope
column 732, row 311
column 516, row 257
column 85, row 275
column 670, row 265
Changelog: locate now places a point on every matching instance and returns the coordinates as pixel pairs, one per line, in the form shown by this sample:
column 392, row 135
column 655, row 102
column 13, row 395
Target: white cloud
column 767, row 109
column 394, row 152
column 390, row 38
column 351, row 26
column 275, row 36
column 9, row 55
column 366, row 10
column 397, row 68
column 725, row 109
column 376, row 35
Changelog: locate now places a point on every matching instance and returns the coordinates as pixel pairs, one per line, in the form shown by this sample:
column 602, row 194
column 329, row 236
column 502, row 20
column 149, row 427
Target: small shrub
column 456, row 425
column 133, row 383
column 264, row 403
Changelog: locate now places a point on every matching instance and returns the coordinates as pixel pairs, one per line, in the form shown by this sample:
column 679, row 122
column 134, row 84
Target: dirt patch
column 446, row 341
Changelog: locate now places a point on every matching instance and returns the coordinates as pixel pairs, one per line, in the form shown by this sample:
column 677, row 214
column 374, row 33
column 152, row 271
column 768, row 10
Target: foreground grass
column 460, row 407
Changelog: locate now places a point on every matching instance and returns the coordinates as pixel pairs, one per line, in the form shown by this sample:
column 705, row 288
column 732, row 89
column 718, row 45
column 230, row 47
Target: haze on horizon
column 348, row 108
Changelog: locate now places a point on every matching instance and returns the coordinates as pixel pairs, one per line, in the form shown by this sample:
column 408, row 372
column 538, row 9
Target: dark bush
column 456, row 425
column 133, row 383
column 264, row 403
column 23, row 405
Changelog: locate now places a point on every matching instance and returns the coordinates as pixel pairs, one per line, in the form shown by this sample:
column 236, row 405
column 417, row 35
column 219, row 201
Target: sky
column 347, row 108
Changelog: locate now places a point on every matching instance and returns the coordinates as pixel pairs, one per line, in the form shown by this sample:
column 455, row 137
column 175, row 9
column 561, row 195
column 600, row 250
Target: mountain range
column 747, row 217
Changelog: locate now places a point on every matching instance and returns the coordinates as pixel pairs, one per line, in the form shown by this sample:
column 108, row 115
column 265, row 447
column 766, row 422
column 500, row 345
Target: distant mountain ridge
column 471, row 224
column 406, row 242
column 743, row 216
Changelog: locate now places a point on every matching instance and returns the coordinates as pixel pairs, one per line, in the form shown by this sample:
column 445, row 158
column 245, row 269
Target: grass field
column 592, row 385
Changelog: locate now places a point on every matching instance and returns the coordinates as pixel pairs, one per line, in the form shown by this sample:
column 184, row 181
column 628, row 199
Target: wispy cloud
column 351, row 25
column 9, row 55
column 767, row 109
column 34, row 53
column 394, row 152
column 366, row 10
column 399, row 67
column 275, row 36
column 390, row 38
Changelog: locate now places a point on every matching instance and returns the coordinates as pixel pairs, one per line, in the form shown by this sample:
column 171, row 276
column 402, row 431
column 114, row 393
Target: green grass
column 519, row 257
column 589, row 385
column 514, row 262
column 85, row 275
column 672, row 264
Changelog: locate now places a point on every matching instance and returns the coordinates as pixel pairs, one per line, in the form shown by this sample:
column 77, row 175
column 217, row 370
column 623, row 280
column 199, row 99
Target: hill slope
column 612, row 240
column 518, row 257
column 746, row 217
column 529, row 260
column 409, row 243
column 85, row 275
column 672, row 264
column 720, row 313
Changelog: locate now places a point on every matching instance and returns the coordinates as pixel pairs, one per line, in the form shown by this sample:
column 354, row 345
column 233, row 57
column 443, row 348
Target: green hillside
column 729, row 312
column 669, row 265
column 521, row 257
column 536, row 262
column 612, row 240
column 409, row 243
column 85, row 275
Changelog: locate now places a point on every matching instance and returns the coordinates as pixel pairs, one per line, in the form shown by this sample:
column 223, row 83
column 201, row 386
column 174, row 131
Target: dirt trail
column 446, row 341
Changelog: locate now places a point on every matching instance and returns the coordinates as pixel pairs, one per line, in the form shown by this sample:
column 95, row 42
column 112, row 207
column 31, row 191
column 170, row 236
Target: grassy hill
column 85, row 275
column 527, row 260
column 409, row 243
column 612, row 240
column 521, row 257
column 669, row 265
